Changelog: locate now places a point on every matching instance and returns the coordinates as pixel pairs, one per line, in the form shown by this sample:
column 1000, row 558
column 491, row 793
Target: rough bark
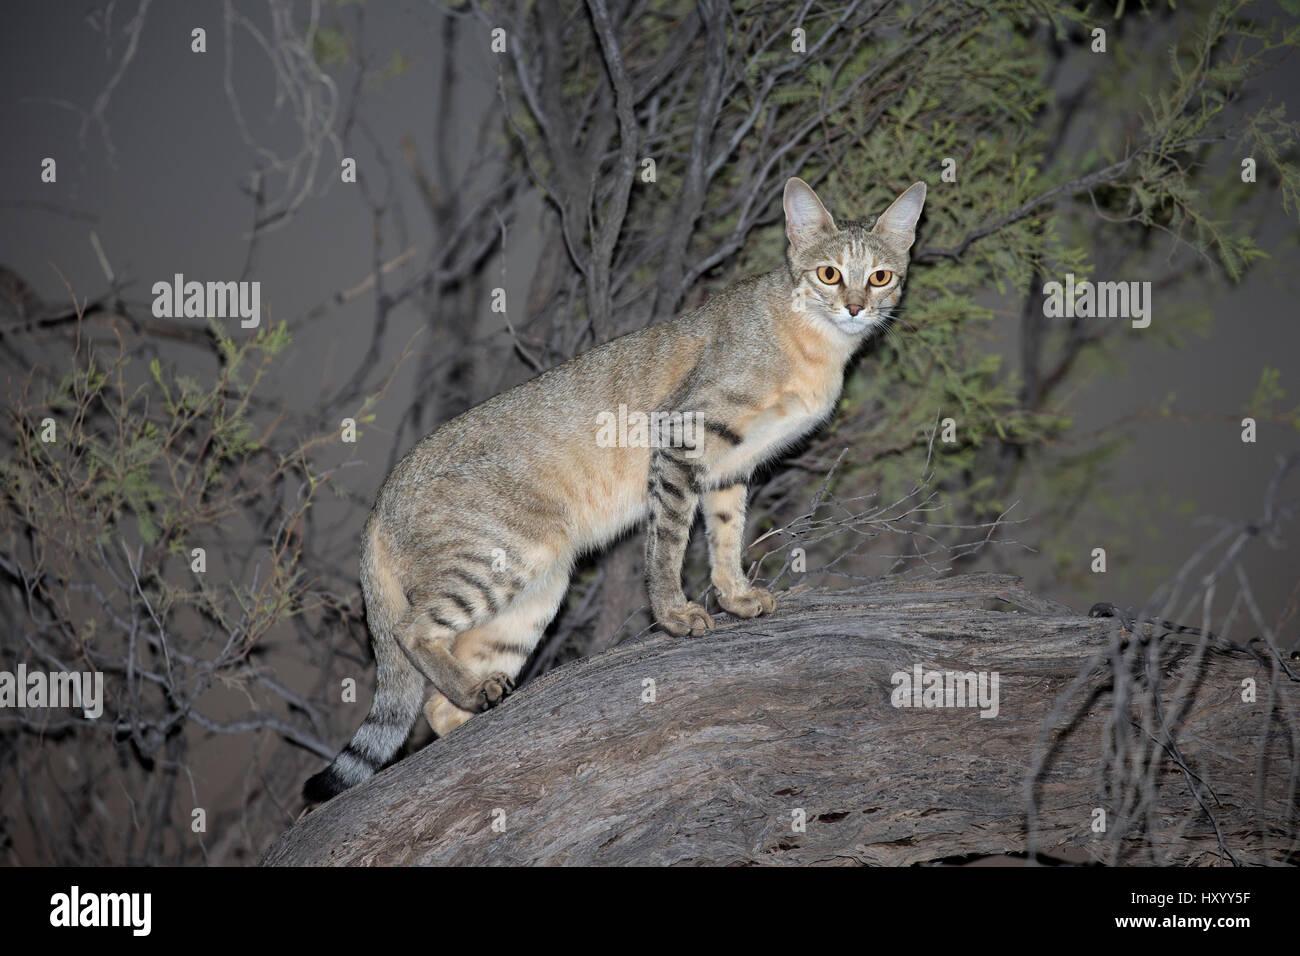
column 769, row 717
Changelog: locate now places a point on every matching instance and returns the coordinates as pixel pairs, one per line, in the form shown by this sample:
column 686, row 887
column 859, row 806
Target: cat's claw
column 493, row 691
column 749, row 603
column 688, row 618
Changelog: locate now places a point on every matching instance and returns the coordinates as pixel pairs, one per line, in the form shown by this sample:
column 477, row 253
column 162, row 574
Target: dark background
column 160, row 176
column 166, row 198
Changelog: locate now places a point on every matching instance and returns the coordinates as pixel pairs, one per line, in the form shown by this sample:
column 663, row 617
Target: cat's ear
column 898, row 222
column 806, row 219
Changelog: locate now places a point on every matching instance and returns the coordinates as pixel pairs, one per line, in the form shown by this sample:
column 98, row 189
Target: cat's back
column 551, row 411
column 540, row 422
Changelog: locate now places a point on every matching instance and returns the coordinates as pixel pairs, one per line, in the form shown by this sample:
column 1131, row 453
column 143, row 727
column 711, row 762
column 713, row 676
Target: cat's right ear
column 806, row 219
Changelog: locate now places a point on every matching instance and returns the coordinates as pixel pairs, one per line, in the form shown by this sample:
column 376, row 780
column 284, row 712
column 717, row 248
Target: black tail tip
column 323, row 786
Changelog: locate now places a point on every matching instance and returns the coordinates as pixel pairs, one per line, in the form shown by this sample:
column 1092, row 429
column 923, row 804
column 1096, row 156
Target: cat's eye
column 880, row 277
column 828, row 274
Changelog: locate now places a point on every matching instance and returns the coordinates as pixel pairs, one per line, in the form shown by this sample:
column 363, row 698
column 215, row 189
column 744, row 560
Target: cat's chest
column 800, row 406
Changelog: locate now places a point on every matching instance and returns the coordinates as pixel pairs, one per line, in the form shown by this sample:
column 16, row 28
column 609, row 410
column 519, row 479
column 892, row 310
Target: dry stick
column 1121, row 664
column 528, row 356
column 347, row 295
column 606, row 236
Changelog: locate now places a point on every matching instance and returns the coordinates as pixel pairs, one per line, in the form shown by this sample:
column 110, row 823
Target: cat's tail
column 399, row 689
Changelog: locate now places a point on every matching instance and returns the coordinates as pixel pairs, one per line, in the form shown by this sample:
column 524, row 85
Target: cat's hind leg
column 499, row 648
column 426, row 637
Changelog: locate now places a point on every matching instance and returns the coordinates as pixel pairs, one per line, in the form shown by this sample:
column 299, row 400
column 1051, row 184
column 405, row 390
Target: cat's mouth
column 853, row 324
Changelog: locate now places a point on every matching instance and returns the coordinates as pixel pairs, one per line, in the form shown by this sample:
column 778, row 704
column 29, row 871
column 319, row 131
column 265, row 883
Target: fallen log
column 777, row 741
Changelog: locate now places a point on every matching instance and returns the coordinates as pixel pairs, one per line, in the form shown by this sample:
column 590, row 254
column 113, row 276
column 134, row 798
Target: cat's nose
column 853, row 308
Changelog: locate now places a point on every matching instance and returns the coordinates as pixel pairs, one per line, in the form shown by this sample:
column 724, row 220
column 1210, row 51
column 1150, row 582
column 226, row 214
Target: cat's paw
column 749, row 603
column 492, row 691
column 684, row 619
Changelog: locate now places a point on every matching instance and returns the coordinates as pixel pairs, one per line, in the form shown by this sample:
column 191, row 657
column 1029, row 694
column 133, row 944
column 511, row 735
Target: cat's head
column 848, row 275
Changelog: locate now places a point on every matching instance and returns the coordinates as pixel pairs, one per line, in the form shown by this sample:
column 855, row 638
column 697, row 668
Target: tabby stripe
column 672, row 513
column 478, row 583
column 461, row 603
column 672, row 489
column 723, row 432
column 691, row 471
column 365, row 758
column 509, row 647
column 443, row 622
column 667, row 534
column 488, row 563
column 387, row 717
column 739, row 398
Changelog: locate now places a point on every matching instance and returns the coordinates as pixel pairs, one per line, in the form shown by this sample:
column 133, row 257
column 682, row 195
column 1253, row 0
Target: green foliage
column 1266, row 401
column 330, row 47
column 980, row 99
column 144, row 458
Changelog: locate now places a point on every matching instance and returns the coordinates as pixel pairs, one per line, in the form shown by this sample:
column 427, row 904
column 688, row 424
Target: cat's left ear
column 899, row 220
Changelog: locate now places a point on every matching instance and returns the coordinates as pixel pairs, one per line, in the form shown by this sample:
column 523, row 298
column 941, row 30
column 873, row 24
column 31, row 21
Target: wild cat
column 467, row 553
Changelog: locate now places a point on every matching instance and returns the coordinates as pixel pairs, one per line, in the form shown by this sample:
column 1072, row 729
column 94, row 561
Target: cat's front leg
column 673, row 491
column 724, row 519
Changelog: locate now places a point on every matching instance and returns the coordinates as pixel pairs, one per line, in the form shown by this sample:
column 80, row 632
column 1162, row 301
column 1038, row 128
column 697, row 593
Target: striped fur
column 468, row 551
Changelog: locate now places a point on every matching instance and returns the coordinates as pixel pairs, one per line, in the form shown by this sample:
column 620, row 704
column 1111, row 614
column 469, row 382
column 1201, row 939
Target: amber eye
column 880, row 277
column 828, row 274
